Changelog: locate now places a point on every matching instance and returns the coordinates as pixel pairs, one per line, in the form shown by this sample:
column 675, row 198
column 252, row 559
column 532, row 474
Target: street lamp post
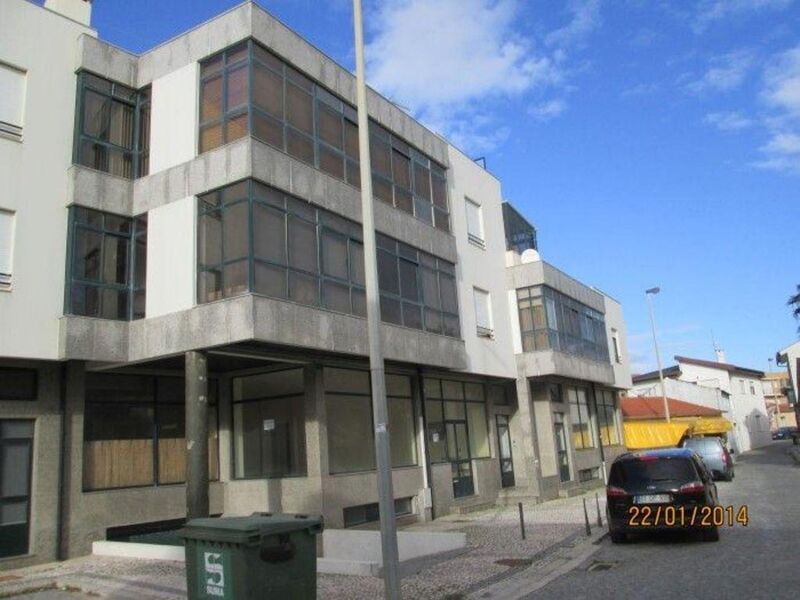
column 389, row 552
column 649, row 293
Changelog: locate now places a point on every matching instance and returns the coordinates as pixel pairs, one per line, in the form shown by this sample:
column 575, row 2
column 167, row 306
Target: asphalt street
column 753, row 562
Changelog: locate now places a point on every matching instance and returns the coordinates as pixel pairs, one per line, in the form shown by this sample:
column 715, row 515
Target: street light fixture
column 649, row 293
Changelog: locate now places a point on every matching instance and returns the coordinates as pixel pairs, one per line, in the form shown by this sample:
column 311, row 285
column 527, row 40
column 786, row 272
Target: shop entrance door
column 504, row 447
column 16, row 450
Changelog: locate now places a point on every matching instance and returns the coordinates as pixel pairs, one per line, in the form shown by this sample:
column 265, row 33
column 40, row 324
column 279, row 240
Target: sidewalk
column 496, row 562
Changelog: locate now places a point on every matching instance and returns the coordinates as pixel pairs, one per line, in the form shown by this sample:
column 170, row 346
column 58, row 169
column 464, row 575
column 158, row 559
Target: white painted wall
column 683, row 390
column 173, row 120
column 34, row 175
column 748, row 411
column 615, row 321
column 171, row 263
column 481, row 267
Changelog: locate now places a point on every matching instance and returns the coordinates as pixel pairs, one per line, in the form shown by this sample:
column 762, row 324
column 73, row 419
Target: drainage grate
column 514, row 563
column 601, row 566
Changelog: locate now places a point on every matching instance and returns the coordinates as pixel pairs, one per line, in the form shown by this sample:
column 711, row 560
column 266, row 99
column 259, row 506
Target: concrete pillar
column 523, row 429
column 196, row 375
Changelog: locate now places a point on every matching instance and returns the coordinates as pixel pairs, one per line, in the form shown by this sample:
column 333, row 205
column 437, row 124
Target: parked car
column 784, row 433
column 715, row 454
column 660, row 490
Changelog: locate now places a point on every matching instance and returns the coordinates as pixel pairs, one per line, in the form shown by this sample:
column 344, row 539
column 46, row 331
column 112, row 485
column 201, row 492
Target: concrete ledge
column 98, row 190
column 542, row 273
column 107, row 61
column 133, row 550
column 332, row 566
column 550, row 362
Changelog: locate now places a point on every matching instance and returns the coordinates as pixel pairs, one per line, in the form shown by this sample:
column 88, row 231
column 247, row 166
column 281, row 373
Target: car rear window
column 635, row 473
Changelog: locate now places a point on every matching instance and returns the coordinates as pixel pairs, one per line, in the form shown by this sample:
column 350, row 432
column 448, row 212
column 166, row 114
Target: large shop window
column 269, row 425
column 351, row 445
column 113, row 124
column 254, row 238
column 107, row 265
column 549, row 320
column 247, row 89
column 134, row 431
column 582, row 434
column 607, row 417
column 455, row 401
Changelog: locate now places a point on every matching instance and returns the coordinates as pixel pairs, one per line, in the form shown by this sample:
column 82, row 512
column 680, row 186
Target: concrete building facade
column 203, row 197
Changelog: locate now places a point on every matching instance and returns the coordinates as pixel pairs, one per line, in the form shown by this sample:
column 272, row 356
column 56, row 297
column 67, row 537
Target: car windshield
column 637, row 473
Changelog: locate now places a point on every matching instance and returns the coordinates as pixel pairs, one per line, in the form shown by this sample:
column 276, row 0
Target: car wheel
column 617, row 537
column 711, row 535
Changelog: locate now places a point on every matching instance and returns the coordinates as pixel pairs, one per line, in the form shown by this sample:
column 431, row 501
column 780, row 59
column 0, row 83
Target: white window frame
column 482, row 330
column 615, row 346
column 7, row 251
column 479, row 238
column 12, row 129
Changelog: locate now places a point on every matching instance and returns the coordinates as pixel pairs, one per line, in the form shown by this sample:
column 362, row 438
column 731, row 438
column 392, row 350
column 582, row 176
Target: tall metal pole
column 391, row 580
column 649, row 293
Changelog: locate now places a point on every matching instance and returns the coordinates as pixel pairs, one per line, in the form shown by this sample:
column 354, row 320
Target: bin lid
column 243, row 530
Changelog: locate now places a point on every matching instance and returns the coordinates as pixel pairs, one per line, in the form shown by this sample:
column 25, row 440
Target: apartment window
column 752, row 388
column 741, row 386
column 615, row 344
column 113, row 124
column 18, row 384
column 12, row 101
column 520, row 235
column 582, row 436
column 247, row 89
column 107, row 265
column 269, row 425
column 483, row 312
column 552, row 320
column 607, row 417
column 351, row 443
column 134, row 431
column 447, row 404
column 7, row 220
column 475, row 223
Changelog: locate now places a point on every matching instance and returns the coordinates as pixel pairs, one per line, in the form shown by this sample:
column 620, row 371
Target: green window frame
column 106, row 265
column 287, row 110
column 112, row 125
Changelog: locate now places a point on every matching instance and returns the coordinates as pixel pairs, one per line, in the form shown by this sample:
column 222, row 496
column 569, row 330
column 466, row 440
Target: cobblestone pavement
column 495, row 551
column 749, row 563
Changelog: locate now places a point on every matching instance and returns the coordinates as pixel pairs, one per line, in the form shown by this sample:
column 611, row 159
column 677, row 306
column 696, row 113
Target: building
column 776, row 387
column 646, row 423
column 192, row 213
column 735, row 391
column 790, row 357
column 572, row 361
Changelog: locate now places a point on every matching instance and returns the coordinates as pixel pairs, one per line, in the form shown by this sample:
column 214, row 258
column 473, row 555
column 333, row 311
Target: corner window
column 475, row 223
column 106, row 269
column 311, row 256
column 113, row 124
column 248, row 90
column 483, row 313
column 7, row 219
column 12, row 101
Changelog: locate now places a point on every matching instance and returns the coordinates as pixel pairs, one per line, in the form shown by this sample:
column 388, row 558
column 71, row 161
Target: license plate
column 652, row 499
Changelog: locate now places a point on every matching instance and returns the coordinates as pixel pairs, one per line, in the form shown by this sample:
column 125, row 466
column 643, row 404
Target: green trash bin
column 246, row 558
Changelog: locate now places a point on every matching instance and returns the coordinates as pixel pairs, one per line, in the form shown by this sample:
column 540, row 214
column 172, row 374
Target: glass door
column 16, row 449
column 504, row 447
column 562, row 450
column 460, row 463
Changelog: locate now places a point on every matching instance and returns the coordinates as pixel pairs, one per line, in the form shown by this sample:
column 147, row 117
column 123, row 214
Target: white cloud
column 711, row 11
column 781, row 93
column 451, row 61
column 641, row 89
column 728, row 121
column 724, row 73
column 547, row 110
column 584, row 18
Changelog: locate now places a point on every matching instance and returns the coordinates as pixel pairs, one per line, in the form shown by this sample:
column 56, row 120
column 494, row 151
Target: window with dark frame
column 550, row 320
column 606, row 417
column 113, row 127
column 308, row 255
column 134, row 431
column 18, row 384
column 107, row 265
column 440, row 398
column 247, row 89
column 582, row 437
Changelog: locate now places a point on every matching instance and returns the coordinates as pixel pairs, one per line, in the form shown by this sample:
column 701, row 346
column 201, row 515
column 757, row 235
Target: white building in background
column 203, row 197
column 735, row 390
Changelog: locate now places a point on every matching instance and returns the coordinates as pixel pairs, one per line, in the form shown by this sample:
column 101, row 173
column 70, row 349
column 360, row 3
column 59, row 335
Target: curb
column 795, row 454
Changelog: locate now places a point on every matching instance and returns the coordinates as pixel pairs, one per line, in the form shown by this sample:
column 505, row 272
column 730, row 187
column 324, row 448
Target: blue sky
column 652, row 143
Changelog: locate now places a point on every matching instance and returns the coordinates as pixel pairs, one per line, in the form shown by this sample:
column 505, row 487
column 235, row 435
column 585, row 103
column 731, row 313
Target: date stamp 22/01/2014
column 688, row 516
